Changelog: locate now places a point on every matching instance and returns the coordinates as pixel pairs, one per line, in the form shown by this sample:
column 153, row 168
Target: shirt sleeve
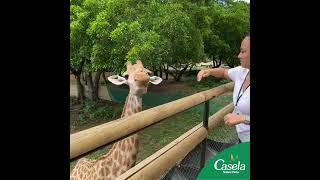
column 234, row 73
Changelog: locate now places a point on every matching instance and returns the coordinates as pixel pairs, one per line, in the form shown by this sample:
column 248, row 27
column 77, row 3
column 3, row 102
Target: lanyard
column 239, row 96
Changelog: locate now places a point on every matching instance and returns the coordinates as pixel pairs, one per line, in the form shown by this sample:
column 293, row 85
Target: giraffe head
column 136, row 77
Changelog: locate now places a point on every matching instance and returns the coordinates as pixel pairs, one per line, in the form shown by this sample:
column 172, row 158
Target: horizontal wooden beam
column 158, row 163
column 92, row 138
column 217, row 119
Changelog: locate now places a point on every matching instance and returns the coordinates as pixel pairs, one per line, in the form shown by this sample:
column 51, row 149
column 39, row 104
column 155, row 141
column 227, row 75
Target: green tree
column 222, row 24
column 162, row 33
column 232, row 22
column 78, row 50
column 82, row 13
column 182, row 41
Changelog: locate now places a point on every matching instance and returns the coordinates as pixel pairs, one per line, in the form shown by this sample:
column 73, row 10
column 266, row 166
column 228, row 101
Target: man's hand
column 203, row 73
column 233, row 119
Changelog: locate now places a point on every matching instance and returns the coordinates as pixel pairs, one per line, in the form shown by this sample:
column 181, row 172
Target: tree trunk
column 83, row 78
column 179, row 76
column 167, row 72
column 178, row 73
column 155, row 71
column 90, row 85
column 95, row 92
column 104, row 77
column 160, row 71
column 190, row 69
column 216, row 63
column 77, row 73
column 176, row 76
column 80, row 89
column 219, row 63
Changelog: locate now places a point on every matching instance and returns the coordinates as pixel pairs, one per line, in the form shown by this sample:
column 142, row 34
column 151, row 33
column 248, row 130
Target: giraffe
column 122, row 156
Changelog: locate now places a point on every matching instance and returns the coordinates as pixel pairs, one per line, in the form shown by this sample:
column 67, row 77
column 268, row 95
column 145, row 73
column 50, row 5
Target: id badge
column 236, row 110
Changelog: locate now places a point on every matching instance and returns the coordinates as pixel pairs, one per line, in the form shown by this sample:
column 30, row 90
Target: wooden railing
column 155, row 165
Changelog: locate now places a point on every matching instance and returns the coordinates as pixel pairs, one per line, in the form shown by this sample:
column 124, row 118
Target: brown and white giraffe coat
column 122, row 156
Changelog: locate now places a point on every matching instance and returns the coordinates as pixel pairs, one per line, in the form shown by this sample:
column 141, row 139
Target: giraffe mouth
column 143, row 84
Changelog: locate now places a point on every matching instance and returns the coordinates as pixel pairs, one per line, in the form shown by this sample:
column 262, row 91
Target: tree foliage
column 177, row 33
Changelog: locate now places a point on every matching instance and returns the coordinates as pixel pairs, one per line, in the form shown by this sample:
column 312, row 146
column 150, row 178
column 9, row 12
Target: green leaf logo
column 227, row 165
column 231, row 158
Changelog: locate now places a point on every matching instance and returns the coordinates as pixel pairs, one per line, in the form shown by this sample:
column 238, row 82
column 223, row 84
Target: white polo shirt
column 237, row 75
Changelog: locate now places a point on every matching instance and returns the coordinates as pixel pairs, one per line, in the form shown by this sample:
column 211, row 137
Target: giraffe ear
column 155, row 80
column 117, row 80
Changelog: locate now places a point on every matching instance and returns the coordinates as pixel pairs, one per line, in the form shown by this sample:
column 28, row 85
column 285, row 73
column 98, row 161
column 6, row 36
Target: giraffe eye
column 126, row 76
column 149, row 73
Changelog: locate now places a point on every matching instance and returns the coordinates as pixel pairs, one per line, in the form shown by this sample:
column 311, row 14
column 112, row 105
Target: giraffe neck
column 123, row 154
column 132, row 105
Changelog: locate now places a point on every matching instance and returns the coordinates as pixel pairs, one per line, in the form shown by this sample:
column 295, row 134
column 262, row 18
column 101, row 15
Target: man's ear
column 117, row 80
column 155, row 80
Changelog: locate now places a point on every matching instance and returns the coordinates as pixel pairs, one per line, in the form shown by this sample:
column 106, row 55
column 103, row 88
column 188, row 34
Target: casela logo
column 232, row 167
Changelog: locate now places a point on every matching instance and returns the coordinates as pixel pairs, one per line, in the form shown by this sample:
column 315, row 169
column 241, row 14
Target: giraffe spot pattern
column 120, row 158
column 124, row 159
column 116, row 155
column 115, row 169
column 101, row 172
column 123, row 147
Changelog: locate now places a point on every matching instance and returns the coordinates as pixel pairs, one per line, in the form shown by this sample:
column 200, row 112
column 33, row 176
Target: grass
column 92, row 114
column 157, row 136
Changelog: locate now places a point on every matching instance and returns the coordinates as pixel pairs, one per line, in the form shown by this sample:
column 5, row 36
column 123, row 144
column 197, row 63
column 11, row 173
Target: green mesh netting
column 222, row 133
column 150, row 99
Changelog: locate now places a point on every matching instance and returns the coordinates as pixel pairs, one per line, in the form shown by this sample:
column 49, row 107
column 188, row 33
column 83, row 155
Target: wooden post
column 204, row 142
